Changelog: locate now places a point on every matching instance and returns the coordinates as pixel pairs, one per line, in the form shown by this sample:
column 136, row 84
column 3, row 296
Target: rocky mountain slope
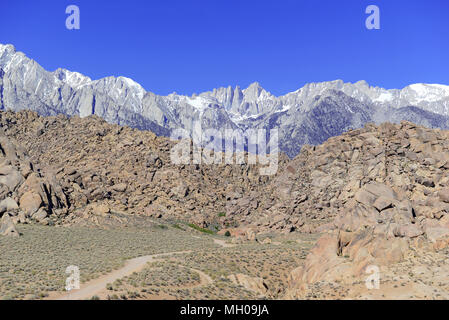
column 309, row 115
column 26, row 193
column 383, row 193
column 104, row 167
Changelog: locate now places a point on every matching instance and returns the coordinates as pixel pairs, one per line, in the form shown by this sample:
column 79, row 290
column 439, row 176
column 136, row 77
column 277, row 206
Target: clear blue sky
column 191, row 46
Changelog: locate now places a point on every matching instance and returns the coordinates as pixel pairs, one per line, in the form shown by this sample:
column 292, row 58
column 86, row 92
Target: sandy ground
column 97, row 287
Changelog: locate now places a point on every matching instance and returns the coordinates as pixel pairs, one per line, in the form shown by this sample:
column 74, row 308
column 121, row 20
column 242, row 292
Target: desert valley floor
column 197, row 265
column 186, row 264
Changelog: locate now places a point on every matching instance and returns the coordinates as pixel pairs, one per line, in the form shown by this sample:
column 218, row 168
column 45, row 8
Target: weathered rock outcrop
column 385, row 190
column 131, row 171
column 26, row 193
column 7, row 227
column 101, row 165
column 251, row 283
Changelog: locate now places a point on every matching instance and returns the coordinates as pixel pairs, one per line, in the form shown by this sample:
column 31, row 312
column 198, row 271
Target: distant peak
column 254, row 89
column 361, row 83
column 255, row 85
column 74, row 79
column 130, row 82
column 8, row 48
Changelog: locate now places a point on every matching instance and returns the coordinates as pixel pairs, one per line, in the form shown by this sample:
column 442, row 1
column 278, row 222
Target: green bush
column 176, row 226
column 191, row 225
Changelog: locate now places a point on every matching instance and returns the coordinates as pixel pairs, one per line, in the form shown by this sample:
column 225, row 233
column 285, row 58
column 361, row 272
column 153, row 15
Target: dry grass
column 171, row 279
column 35, row 263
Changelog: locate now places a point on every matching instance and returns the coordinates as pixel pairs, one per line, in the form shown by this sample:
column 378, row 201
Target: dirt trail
column 204, row 278
column 95, row 286
column 223, row 243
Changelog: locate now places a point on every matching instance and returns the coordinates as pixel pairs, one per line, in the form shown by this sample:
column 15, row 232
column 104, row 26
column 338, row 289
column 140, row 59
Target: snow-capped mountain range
column 309, row 115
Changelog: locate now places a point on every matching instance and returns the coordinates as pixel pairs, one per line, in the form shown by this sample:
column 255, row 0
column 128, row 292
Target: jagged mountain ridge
column 309, row 115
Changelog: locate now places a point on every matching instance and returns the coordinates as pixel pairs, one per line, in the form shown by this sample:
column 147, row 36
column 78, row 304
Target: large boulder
column 40, row 215
column 120, row 187
column 7, row 227
column 8, row 204
column 344, row 256
column 10, row 177
column 250, row 283
column 30, row 202
column 444, row 195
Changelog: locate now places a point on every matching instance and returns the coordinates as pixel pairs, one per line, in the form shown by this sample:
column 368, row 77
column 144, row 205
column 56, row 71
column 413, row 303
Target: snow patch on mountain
column 74, row 79
column 133, row 85
column 199, row 103
column 428, row 92
column 384, row 97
